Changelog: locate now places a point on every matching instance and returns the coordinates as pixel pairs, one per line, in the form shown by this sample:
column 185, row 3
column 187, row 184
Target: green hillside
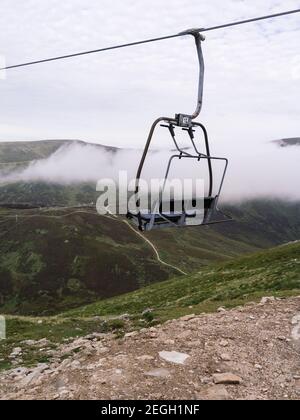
column 19, row 152
column 41, row 194
column 52, row 260
column 26, row 151
column 273, row 272
column 18, row 155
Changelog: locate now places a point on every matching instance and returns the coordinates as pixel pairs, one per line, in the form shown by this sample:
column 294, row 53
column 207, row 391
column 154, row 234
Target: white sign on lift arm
column 2, row 328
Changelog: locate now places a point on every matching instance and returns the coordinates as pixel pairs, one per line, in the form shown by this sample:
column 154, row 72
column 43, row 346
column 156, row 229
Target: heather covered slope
column 273, row 272
column 53, row 260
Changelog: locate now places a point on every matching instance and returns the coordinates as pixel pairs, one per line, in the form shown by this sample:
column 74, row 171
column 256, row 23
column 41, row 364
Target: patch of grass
column 55, row 330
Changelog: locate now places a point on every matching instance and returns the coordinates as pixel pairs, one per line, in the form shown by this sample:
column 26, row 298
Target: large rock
column 15, row 353
column 296, row 328
column 268, row 299
column 34, row 376
column 214, row 393
column 226, row 379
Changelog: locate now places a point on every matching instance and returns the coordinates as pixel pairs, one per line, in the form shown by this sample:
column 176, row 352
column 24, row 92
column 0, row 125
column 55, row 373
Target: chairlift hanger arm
column 198, row 39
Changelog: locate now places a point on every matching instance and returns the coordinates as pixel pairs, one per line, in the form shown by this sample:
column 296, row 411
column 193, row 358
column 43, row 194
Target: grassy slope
column 257, row 224
column 11, row 152
column 274, row 272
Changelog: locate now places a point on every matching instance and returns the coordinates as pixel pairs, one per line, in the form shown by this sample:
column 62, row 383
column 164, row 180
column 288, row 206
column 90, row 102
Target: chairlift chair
column 157, row 218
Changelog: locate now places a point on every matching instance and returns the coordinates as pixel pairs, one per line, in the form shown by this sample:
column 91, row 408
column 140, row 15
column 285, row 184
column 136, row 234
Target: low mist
column 264, row 171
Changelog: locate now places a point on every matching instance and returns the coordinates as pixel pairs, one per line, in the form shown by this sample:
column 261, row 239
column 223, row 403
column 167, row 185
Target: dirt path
column 154, row 249
column 151, row 244
column 247, row 353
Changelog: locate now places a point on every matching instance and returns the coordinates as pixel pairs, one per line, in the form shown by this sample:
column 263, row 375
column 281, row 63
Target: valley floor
column 256, row 348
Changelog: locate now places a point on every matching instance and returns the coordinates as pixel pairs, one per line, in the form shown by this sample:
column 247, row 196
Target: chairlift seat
column 160, row 216
column 148, row 221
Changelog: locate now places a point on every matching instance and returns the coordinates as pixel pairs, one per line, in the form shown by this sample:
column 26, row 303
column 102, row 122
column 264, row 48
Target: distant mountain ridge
column 26, row 151
column 16, row 156
column 288, row 142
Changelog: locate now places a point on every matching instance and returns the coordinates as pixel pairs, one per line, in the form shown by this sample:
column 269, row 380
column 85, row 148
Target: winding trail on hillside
column 154, row 249
column 111, row 217
column 151, row 244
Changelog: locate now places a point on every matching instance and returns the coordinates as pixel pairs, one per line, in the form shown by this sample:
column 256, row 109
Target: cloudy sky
column 252, row 92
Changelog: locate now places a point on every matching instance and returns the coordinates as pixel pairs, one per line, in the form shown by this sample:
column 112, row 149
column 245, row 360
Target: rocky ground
column 246, row 353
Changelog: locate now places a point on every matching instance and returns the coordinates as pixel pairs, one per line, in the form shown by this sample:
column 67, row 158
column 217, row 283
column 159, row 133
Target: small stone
column 226, row 379
column 102, row 350
column 75, row 365
column 206, row 380
column 174, row 357
column 224, row 343
column 15, row 353
column 64, row 393
column 158, row 373
column 184, row 335
column 225, row 357
column 145, row 358
column 258, row 367
column 281, row 338
column 34, row 376
column 19, row 372
column 169, row 342
column 188, row 318
column 296, row 320
column 29, row 343
column 43, row 342
column 267, row 300
column 131, row 334
column 220, row 310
